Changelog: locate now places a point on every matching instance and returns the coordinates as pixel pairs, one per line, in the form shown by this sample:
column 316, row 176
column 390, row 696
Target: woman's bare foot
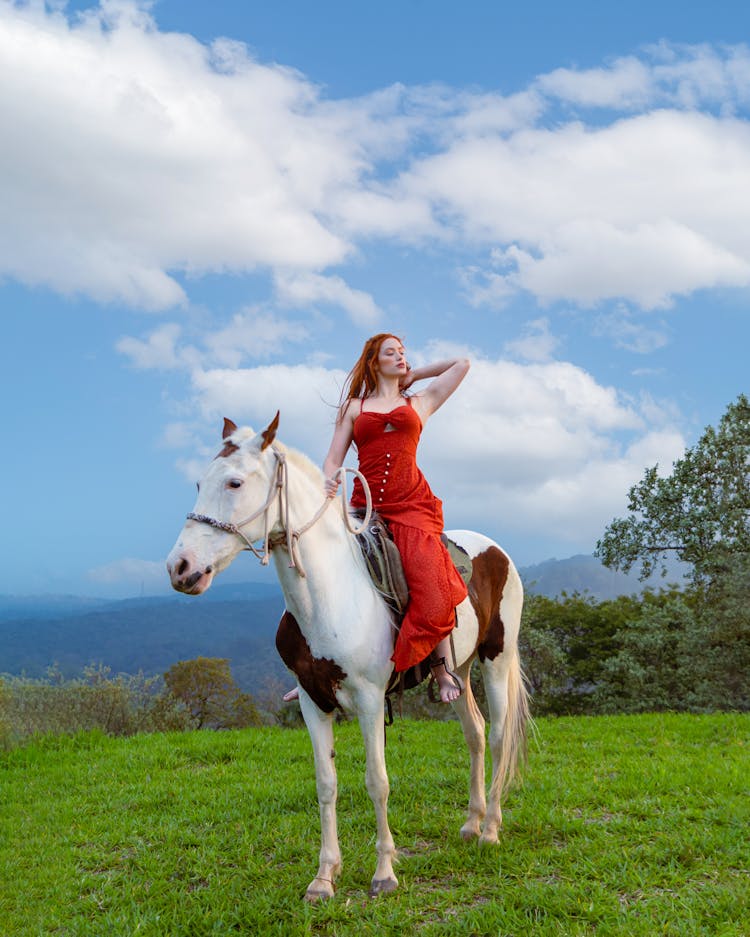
column 291, row 695
column 449, row 684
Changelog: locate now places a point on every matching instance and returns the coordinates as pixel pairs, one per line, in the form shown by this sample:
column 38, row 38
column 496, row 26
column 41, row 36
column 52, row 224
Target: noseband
column 287, row 537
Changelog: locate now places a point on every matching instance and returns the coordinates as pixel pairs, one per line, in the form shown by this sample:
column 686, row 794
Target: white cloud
column 306, row 396
column 542, row 450
column 536, row 343
column 301, row 290
column 667, row 75
column 643, row 209
column 250, row 335
column 253, row 334
column 630, row 333
column 136, row 159
column 135, row 153
column 157, row 350
column 627, row 82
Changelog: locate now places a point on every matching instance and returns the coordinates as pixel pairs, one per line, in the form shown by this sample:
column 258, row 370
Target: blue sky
column 206, row 208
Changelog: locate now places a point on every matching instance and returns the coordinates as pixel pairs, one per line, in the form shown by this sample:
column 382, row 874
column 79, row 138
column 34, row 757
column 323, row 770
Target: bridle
column 287, row 537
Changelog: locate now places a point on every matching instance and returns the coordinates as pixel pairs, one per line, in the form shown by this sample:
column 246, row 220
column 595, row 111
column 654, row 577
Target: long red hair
column 362, row 380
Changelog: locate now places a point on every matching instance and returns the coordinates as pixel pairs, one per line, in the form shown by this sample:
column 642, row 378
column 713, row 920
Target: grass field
column 625, row 825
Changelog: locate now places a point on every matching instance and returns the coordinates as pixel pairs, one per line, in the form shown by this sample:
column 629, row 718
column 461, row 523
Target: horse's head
column 229, row 511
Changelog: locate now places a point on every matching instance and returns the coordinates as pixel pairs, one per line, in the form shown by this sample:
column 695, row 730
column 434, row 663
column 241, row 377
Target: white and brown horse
column 337, row 632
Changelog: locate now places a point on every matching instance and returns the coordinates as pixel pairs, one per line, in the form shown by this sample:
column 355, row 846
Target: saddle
column 384, row 564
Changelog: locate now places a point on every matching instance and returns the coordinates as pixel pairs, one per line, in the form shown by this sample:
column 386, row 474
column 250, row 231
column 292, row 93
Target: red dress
column 387, row 449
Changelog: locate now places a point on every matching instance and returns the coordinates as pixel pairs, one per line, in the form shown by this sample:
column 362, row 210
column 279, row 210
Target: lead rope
column 292, row 537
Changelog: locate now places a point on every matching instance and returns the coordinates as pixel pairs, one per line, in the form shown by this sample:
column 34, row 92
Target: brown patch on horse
column 490, row 573
column 229, row 428
column 318, row 676
column 229, row 448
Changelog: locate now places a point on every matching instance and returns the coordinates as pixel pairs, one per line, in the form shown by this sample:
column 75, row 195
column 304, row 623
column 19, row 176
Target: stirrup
column 441, row 662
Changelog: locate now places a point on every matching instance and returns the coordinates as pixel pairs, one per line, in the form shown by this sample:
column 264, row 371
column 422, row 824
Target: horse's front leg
column 373, row 732
column 320, row 727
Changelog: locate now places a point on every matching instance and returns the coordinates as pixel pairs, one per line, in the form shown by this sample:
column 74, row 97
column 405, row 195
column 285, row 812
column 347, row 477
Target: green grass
column 631, row 825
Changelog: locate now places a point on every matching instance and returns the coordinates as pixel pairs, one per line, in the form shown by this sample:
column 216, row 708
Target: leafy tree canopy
column 206, row 688
column 699, row 514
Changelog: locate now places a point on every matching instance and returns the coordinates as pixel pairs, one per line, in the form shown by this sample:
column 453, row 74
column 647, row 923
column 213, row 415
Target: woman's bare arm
column 447, row 376
column 342, row 439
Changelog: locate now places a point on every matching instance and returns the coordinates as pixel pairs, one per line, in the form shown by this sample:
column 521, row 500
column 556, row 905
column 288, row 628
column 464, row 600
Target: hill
column 237, row 621
column 585, row 574
column 149, row 634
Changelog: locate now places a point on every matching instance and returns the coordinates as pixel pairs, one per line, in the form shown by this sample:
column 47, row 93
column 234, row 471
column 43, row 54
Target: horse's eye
column 198, row 485
column 234, row 483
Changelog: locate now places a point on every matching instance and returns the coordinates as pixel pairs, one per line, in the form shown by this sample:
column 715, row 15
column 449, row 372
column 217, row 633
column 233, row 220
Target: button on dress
column 387, row 450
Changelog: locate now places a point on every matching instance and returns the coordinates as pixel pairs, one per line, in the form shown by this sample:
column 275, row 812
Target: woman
column 385, row 425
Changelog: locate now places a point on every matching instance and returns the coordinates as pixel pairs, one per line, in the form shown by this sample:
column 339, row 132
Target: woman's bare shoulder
column 349, row 410
column 417, row 403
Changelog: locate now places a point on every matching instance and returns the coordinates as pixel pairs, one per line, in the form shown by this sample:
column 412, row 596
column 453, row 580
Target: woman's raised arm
column 447, row 376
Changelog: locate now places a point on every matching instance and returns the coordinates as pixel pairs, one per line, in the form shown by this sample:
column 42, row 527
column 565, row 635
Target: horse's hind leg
column 472, row 723
column 495, row 675
column 320, row 727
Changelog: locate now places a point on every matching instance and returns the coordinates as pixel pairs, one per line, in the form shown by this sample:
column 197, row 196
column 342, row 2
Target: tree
column 207, row 689
column 722, row 652
column 699, row 514
column 564, row 644
column 654, row 668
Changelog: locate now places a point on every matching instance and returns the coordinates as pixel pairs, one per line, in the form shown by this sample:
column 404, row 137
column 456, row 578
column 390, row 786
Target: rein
column 288, row 537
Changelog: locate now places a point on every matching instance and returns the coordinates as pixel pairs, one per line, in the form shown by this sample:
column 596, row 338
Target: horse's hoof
column 316, row 892
column 469, row 831
column 313, row 895
column 489, row 839
column 383, row 886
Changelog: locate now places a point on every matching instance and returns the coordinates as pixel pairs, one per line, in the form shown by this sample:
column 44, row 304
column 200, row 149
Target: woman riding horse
column 385, row 425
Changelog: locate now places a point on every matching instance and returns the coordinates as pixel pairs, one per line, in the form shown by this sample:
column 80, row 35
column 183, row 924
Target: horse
column 337, row 632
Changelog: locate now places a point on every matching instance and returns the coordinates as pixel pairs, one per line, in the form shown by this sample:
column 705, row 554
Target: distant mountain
column 149, row 635
column 231, row 620
column 49, row 606
column 585, row 574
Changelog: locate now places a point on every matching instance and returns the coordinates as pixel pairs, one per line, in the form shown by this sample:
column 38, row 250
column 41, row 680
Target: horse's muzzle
column 185, row 578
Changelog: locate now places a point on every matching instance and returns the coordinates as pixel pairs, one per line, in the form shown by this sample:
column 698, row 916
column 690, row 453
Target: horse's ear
column 269, row 433
column 229, row 428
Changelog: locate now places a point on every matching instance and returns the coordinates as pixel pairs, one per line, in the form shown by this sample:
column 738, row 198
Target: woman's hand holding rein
column 331, row 486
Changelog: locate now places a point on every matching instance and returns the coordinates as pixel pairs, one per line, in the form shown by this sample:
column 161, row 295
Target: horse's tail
column 517, row 720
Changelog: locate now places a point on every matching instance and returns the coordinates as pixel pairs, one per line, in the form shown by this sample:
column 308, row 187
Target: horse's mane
column 300, row 460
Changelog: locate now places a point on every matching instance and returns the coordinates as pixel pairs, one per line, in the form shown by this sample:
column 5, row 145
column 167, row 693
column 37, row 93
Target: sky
column 205, row 209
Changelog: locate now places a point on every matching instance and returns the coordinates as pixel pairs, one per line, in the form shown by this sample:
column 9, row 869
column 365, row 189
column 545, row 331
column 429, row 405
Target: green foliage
column 117, row 705
column 691, row 653
column 653, row 670
column 206, row 689
column 724, row 622
column 197, row 694
column 700, row 513
column 564, row 644
column 626, row 826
